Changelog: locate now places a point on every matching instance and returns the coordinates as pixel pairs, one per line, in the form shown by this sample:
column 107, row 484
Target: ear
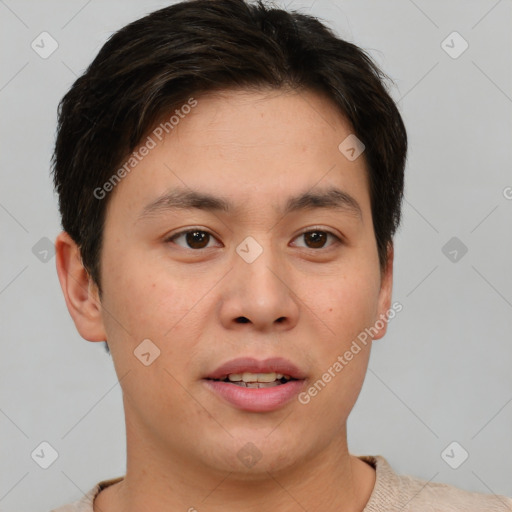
column 386, row 288
column 80, row 292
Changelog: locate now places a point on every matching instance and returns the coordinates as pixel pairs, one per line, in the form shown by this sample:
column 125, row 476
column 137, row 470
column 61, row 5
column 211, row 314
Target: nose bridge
column 260, row 293
column 260, row 261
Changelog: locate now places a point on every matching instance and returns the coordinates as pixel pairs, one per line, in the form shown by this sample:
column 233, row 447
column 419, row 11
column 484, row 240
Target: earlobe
column 80, row 292
column 386, row 288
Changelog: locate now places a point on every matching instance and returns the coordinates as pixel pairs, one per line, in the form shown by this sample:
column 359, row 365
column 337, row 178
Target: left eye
column 318, row 237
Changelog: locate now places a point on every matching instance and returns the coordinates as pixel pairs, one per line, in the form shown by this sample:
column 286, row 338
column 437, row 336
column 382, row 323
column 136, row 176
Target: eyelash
column 313, row 229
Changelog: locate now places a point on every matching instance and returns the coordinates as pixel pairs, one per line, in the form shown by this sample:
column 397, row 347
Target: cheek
column 145, row 301
column 139, row 293
column 344, row 310
column 349, row 303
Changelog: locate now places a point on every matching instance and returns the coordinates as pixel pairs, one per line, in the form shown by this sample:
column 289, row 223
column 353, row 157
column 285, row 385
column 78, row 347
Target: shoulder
column 394, row 492
column 438, row 497
column 85, row 503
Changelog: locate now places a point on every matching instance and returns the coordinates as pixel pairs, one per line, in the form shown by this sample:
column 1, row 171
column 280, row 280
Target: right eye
column 194, row 238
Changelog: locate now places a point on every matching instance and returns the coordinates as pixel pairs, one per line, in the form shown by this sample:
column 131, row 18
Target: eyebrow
column 187, row 199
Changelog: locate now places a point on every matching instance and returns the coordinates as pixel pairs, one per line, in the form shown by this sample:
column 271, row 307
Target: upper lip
column 249, row 364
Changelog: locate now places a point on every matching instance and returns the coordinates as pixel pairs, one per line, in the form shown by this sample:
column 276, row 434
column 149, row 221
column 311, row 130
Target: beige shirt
column 392, row 493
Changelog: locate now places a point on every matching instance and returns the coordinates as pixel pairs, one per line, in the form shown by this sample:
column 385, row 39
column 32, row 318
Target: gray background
column 442, row 373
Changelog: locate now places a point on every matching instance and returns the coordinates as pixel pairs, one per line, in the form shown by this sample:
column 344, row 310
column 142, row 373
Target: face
column 255, row 274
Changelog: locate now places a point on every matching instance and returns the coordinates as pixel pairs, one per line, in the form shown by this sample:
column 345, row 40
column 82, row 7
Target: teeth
column 256, row 377
column 259, row 377
column 256, row 384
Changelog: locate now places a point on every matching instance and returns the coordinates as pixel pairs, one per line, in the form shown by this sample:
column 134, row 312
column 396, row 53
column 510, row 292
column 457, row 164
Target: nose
column 260, row 293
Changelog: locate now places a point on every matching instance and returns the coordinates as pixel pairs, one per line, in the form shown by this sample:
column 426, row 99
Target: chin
column 252, row 453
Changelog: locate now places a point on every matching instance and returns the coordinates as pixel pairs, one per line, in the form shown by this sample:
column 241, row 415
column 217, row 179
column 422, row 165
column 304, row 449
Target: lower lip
column 256, row 399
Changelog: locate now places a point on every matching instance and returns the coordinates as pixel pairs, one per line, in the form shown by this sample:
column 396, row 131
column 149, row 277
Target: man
column 230, row 179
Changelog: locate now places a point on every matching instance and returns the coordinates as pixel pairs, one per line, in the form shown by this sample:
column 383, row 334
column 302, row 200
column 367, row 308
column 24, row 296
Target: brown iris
column 197, row 239
column 318, row 238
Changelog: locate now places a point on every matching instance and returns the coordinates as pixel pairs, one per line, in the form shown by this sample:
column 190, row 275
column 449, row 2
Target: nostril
column 242, row 320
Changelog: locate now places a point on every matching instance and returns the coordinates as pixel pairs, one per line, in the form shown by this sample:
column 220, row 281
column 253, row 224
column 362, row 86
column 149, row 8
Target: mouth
column 256, row 386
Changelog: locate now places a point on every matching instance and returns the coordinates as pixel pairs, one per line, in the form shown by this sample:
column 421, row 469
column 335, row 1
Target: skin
column 255, row 149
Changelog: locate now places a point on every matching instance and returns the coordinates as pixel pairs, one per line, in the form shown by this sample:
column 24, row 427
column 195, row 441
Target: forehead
column 263, row 119
column 252, row 146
